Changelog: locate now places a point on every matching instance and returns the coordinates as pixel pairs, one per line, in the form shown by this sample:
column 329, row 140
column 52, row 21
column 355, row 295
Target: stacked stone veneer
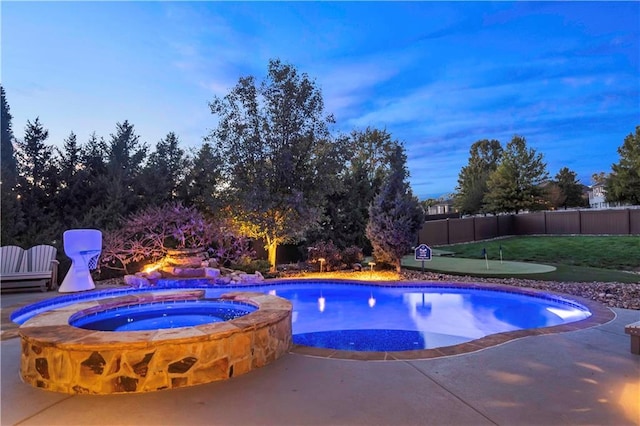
column 58, row 357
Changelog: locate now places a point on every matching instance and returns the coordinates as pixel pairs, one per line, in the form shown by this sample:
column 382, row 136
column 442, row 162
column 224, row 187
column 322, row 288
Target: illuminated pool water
column 374, row 318
column 398, row 317
column 161, row 315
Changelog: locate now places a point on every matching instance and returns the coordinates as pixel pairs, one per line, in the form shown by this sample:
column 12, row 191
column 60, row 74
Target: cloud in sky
column 437, row 75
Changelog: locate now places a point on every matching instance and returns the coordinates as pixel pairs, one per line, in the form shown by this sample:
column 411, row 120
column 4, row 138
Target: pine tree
column 395, row 215
column 94, row 181
column 8, row 162
column 71, row 200
column 201, row 185
column 37, row 183
column 623, row 185
column 570, row 187
column 126, row 155
column 12, row 222
column 164, row 171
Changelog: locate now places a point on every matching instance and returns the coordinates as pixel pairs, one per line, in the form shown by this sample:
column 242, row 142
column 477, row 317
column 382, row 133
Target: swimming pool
column 402, row 318
column 344, row 315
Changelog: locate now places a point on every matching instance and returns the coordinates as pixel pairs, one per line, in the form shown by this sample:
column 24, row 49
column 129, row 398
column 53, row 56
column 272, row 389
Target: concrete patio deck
column 578, row 377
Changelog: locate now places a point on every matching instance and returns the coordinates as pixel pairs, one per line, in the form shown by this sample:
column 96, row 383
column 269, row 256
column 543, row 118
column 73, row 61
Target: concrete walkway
column 579, row 377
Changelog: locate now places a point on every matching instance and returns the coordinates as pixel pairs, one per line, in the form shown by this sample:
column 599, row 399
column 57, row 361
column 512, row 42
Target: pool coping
column 68, row 336
column 600, row 315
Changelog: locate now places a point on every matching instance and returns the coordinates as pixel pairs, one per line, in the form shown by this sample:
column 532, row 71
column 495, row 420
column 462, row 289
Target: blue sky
column 437, row 75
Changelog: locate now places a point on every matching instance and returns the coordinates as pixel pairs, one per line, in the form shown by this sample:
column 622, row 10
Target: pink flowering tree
column 150, row 233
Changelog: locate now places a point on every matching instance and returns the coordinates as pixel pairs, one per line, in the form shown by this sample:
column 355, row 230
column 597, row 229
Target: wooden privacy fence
column 571, row 222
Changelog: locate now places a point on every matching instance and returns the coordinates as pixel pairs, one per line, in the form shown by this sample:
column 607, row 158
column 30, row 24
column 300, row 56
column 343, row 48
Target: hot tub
column 60, row 357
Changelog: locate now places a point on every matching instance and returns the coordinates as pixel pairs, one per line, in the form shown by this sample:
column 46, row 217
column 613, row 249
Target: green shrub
column 250, row 266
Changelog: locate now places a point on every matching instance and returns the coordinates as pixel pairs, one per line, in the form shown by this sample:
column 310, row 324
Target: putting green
column 476, row 266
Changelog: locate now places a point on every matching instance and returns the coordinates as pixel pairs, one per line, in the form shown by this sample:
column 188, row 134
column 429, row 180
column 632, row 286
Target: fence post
column 474, row 229
column 579, row 221
column 448, row 224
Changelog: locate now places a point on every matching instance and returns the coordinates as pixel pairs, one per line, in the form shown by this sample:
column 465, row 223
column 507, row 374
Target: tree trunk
column 398, row 265
column 272, row 247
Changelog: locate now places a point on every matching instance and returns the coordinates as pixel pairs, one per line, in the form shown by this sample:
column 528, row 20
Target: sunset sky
column 438, row 76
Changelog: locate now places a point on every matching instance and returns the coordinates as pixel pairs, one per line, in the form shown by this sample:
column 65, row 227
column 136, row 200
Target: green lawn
column 575, row 258
column 606, row 252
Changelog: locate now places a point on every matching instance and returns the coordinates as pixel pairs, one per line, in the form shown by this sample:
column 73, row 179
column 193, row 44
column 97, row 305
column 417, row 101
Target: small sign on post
column 423, row 252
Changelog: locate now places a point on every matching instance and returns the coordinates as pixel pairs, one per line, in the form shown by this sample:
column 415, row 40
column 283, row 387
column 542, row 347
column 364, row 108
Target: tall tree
column 71, row 200
column 623, row 185
column 69, row 159
column 37, row 185
column 278, row 161
column 202, row 183
column 125, row 153
column 120, row 186
column 11, row 214
column 395, row 215
column 515, row 185
column 9, row 167
column 484, row 156
column 164, row 171
column 570, row 188
column 94, row 181
column 347, row 209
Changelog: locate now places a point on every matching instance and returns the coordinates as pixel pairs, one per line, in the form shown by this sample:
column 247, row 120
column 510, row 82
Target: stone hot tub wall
column 58, row 357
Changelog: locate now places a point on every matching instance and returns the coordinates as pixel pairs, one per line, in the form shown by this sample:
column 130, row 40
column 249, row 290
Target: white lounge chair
column 10, row 259
column 33, row 268
column 84, row 247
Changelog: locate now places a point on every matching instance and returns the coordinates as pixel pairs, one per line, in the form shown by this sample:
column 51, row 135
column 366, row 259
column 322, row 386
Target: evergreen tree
column 201, row 185
column 484, row 156
column 515, row 185
column 623, row 185
column 93, row 181
column 395, row 215
column 69, row 163
column 71, row 200
column 7, row 156
column 164, row 171
column 37, row 186
column 570, row 188
column 11, row 215
column 121, row 189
